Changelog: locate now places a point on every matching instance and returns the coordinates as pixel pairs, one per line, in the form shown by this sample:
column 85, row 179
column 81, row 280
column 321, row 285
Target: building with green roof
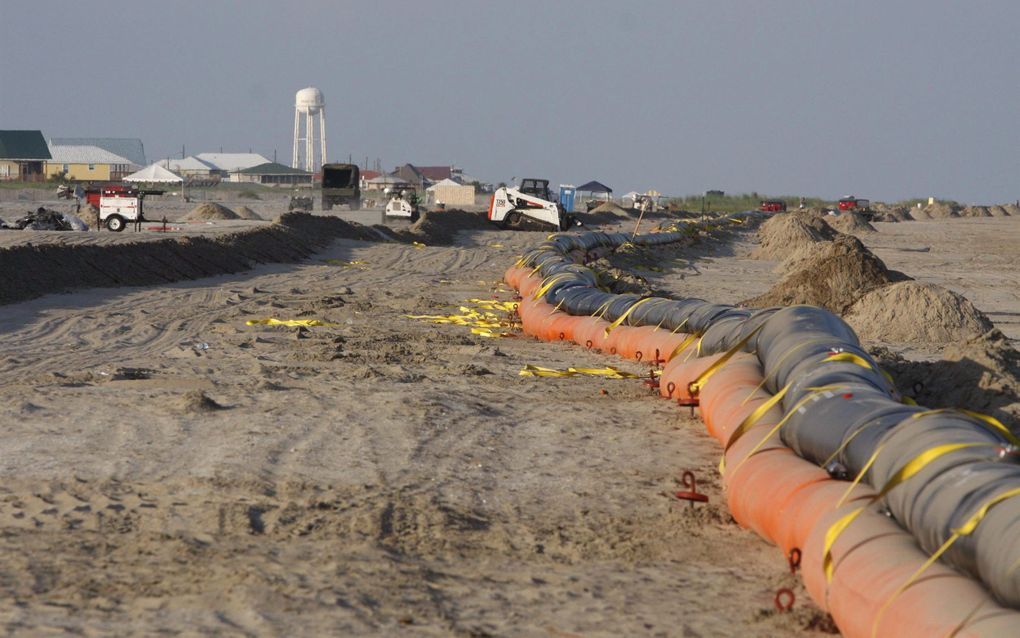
column 23, row 156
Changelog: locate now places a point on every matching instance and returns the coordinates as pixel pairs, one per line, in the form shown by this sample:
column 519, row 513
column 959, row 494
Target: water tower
column 309, row 103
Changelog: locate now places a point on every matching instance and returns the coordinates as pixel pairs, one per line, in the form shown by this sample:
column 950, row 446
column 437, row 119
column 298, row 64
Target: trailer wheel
column 115, row 223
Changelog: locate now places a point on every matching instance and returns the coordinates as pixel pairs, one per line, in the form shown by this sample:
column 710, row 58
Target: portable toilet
column 567, row 192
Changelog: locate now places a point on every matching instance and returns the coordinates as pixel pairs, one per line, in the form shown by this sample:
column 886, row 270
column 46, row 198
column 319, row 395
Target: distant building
column 424, row 176
column 130, row 148
column 272, row 174
column 365, row 175
column 223, row 164
column 87, row 163
column 188, row 167
column 23, row 156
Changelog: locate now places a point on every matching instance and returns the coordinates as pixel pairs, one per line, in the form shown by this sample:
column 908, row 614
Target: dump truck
column 341, row 185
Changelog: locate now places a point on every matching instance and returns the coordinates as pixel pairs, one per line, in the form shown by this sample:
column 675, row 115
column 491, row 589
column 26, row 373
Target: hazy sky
column 884, row 99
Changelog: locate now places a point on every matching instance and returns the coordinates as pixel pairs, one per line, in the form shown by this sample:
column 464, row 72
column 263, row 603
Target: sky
column 882, row 99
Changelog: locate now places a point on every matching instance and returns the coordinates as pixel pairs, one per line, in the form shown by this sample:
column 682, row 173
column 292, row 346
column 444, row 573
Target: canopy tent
column 388, row 180
column 445, row 183
column 594, row 187
column 153, row 174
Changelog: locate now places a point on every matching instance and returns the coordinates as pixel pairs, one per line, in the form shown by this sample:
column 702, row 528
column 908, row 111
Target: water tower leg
column 309, row 141
column 322, row 135
column 297, row 137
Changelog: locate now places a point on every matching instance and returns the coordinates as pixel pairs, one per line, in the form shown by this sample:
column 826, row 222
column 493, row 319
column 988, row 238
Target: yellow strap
column 778, row 365
column 992, row 421
column 699, row 383
column 609, row 372
column 848, row 357
column 549, row 283
column 753, row 417
column 905, row 473
column 624, row 316
column 965, row 530
column 831, row 535
column 602, row 310
column 813, row 392
column 683, row 346
column 287, row 322
column 860, row 475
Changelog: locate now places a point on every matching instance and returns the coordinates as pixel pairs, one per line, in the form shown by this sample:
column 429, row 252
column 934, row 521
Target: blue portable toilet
column 567, row 192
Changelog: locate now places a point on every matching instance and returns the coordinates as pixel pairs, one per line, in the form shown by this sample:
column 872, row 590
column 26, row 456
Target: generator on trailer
column 119, row 205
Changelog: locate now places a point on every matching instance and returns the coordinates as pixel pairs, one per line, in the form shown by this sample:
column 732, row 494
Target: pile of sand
column 210, row 211
column 997, row 211
column 850, row 222
column 611, row 207
column 975, row 211
column 1010, row 209
column 243, row 212
column 887, row 213
column 981, row 373
column 832, row 275
column 441, row 227
column 786, row 233
column 914, row 313
column 938, row 210
column 90, row 215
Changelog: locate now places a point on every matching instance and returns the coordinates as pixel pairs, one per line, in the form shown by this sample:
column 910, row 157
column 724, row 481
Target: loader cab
column 537, row 187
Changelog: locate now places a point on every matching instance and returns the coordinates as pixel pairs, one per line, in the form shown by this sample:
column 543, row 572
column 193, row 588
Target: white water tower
column 309, row 103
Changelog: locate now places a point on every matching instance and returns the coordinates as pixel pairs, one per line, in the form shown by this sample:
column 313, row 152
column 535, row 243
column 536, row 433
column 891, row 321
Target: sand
column 833, row 274
column 243, row 212
column 785, row 233
column 167, row 468
column 211, row 210
column 915, row 312
column 982, row 373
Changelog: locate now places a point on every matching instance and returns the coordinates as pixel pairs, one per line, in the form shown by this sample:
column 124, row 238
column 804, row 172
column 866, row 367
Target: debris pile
column 46, row 219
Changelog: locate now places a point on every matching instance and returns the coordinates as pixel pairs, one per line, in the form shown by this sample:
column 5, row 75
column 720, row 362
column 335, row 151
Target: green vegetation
column 741, row 201
column 248, row 194
column 923, row 201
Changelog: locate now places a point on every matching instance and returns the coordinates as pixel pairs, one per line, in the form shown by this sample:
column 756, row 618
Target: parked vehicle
column 341, row 185
column 851, row 202
column 773, row 206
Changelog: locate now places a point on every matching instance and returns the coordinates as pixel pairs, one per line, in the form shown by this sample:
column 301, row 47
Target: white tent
column 445, row 182
column 452, row 193
column 154, row 173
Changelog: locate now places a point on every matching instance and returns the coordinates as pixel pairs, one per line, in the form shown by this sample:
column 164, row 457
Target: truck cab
column 773, row 206
column 341, row 185
column 851, row 202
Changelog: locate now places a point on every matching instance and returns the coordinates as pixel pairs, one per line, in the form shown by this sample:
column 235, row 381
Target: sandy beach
column 169, row 468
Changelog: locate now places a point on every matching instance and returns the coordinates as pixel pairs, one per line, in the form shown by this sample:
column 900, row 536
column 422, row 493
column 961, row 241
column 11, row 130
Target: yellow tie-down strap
column 310, row 323
column 697, row 384
column 909, row 469
column 964, row 530
column 609, row 372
